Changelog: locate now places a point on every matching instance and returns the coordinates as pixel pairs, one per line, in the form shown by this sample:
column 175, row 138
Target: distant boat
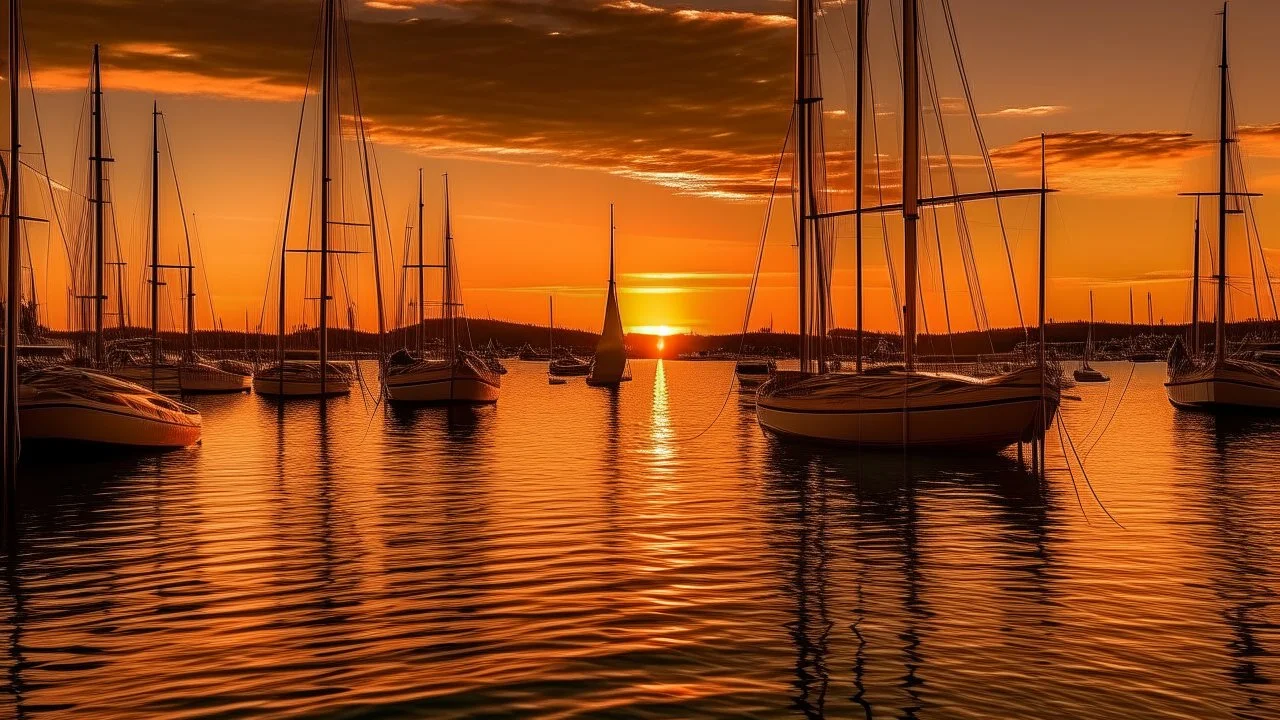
column 566, row 364
column 891, row 407
column 1220, row 383
column 610, row 367
column 459, row 376
column 66, row 404
column 324, row 376
column 1085, row 373
column 753, row 372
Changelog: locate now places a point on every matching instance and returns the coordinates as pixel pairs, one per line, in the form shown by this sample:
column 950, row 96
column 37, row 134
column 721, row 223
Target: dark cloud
column 697, row 100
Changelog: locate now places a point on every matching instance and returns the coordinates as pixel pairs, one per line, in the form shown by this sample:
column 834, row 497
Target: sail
column 611, row 355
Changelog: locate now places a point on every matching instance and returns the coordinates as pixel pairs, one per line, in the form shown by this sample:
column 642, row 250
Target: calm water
column 574, row 552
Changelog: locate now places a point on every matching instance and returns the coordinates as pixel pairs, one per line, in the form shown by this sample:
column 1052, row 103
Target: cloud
column 1022, row 112
column 692, row 99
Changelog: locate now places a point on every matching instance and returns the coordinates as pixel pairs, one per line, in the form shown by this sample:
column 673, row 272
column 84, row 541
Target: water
column 575, row 552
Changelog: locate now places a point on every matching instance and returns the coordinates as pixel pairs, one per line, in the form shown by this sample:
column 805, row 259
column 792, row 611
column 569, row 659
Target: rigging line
column 937, row 236
column 755, row 279
column 986, row 155
column 53, row 203
column 972, row 279
column 1266, row 272
column 1063, row 444
column 884, row 221
column 1101, row 411
column 1085, row 474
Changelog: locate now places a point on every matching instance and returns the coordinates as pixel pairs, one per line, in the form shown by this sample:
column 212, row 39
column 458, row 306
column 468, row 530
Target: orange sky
column 544, row 113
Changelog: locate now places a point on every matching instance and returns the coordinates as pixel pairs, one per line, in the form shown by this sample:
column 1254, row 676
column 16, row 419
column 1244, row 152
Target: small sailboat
column 1086, row 373
column 61, row 404
column 889, row 407
column 565, row 364
column 610, row 367
column 343, row 225
column 461, row 377
column 1219, row 382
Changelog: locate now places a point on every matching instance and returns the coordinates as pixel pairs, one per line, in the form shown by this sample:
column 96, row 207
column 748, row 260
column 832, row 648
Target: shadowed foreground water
column 574, row 552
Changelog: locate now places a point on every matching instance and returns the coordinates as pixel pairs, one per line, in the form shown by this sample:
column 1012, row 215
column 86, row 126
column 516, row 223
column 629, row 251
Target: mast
column 1195, row 288
column 1151, row 311
column 422, row 317
column 551, row 328
column 325, row 101
column 612, row 229
column 860, row 102
column 99, row 260
column 1044, row 232
column 1089, row 338
column 804, row 23
column 451, row 331
column 155, row 240
column 14, row 277
column 910, row 174
column 1220, row 322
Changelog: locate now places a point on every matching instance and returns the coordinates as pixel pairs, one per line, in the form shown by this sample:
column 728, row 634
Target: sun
column 662, row 344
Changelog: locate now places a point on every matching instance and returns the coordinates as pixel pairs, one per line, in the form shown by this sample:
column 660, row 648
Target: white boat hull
column 164, row 380
column 460, row 384
column 207, row 379
column 301, row 379
column 909, row 409
column 88, row 410
column 1234, row 386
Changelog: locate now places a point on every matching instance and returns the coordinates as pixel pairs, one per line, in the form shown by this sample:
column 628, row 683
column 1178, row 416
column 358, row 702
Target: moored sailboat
column 610, row 367
column 146, row 363
column 59, row 404
column 566, row 364
column 1220, row 382
column 1087, row 373
column 890, row 406
column 459, row 376
column 346, row 221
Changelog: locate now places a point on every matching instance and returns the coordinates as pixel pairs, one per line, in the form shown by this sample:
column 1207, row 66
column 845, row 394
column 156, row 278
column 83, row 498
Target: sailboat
column 345, row 220
column 609, row 367
column 461, row 377
column 188, row 372
column 1220, row 382
column 565, row 364
column 61, row 404
column 1085, row 373
column 888, row 407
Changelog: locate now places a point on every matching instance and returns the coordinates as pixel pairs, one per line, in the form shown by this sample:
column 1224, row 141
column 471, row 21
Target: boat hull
column 1234, row 386
column 165, row 379
column 446, row 384
column 751, row 380
column 64, row 405
column 209, row 380
column 301, row 379
column 908, row 409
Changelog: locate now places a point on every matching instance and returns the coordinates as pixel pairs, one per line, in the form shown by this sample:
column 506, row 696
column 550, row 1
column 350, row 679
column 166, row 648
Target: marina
column 952, row 481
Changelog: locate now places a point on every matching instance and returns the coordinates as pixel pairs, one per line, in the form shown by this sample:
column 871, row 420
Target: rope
column 755, row 279
column 1114, row 411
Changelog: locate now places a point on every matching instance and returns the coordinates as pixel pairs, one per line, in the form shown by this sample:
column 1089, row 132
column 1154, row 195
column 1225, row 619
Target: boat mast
column 422, row 317
column 551, row 328
column 1044, row 232
column 99, row 264
column 155, row 240
column 452, row 334
column 14, row 295
column 858, row 174
column 1220, row 322
column 1089, row 338
column 804, row 23
column 910, row 174
column 325, row 101
column 1195, row 288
